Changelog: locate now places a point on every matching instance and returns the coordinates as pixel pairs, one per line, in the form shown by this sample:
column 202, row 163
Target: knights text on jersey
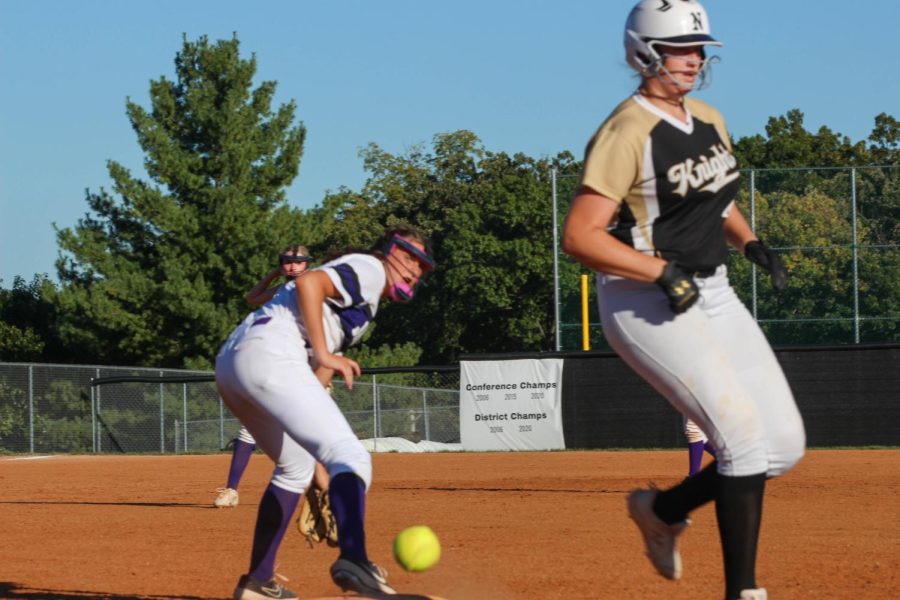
column 675, row 181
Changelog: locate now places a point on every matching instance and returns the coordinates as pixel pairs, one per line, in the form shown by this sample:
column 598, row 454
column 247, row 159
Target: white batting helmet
column 664, row 22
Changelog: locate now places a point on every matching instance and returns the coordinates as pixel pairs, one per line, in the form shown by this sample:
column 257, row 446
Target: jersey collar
column 687, row 128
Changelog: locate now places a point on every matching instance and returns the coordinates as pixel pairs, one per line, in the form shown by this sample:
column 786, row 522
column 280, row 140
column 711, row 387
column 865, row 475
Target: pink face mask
column 400, row 291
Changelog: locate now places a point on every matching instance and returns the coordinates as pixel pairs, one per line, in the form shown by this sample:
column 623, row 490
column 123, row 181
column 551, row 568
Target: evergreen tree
column 156, row 273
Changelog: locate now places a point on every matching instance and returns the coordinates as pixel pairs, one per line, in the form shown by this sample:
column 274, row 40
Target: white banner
column 511, row 404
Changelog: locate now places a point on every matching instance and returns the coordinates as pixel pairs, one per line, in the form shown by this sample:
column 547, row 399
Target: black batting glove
column 757, row 252
column 679, row 287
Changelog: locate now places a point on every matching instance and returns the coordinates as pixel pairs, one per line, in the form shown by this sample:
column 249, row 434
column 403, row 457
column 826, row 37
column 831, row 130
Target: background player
column 698, row 442
column 652, row 215
column 264, row 373
column 293, row 262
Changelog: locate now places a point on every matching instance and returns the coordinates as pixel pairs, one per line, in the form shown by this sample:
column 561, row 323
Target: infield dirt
column 512, row 526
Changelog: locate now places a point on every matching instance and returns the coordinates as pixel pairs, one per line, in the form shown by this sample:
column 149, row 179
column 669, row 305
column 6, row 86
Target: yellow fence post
column 585, row 321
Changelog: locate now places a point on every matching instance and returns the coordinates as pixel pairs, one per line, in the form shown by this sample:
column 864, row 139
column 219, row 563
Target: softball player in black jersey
column 653, row 214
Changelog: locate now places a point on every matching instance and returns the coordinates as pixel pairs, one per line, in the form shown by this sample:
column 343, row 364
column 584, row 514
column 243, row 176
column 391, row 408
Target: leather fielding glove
column 757, row 252
column 316, row 522
column 679, row 287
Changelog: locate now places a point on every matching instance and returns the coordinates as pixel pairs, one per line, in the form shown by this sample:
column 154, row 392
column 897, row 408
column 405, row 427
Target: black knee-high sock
column 347, row 493
column 674, row 504
column 739, row 503
column 275, row 511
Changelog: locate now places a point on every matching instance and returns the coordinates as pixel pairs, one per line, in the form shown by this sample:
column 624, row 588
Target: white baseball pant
column 245, row 436
column 713, row 364
column 693, row 433
column 266, row 380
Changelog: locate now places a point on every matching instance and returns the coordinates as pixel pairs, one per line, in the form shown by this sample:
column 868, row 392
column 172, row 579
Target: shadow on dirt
column 94, row 503
column 18, row 591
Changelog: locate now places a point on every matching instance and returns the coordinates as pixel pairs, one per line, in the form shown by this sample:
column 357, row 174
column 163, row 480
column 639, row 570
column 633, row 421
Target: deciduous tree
column 489, row 217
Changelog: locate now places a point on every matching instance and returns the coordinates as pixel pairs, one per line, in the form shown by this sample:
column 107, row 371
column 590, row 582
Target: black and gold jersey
column 675, row 181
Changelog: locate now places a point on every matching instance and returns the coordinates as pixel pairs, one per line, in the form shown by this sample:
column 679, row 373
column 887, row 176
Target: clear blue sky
column 524, row 75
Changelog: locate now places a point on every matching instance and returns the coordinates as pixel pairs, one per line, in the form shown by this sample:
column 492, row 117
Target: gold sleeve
column 613, row 160
column 611, row 163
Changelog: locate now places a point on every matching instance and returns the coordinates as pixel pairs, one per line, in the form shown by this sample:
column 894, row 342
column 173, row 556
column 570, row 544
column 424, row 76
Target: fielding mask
column 401, row 291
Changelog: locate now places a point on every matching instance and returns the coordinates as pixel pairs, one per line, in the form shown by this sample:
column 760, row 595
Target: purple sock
column 709, row 448
column 275, row 511
column 240, row 456
column 347, row 493
column 695, row 457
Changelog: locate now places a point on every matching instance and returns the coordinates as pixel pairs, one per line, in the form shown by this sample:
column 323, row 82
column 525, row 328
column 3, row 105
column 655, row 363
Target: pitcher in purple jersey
column 265, row 374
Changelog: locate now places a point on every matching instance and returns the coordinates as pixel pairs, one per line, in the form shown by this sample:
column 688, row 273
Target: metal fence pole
column 855, row 258
column 93, row 424
column 184, row 411
column 31, row 408
column 374, row 412
column 162, row 436
column 425, row 415
column 99, row 445
column 558, row 341
column 221, row 423
column 753, row 227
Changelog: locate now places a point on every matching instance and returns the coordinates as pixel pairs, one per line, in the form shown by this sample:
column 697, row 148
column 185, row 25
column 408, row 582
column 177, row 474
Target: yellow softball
column 417, row 548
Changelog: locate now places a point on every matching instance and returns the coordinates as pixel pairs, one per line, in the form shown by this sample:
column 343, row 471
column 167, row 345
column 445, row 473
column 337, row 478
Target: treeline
column 155, row 272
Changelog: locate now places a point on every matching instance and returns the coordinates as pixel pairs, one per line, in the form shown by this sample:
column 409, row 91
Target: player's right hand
column 347, row 368
column 679, row 287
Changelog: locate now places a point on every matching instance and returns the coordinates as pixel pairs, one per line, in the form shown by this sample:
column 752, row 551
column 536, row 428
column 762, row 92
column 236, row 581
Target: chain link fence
column 838, row 232
column 56, row 409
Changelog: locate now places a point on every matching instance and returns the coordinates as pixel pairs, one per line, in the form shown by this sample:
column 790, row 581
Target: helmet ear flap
column 640, row 54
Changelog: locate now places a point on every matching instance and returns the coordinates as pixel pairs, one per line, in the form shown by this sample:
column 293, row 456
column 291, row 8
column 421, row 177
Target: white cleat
column 757, row 594
column 227, row 498
column 661, row 540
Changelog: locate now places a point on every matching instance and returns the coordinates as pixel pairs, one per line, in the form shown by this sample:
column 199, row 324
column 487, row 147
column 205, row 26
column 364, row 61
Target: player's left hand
column 347, row 368
column 757, row 252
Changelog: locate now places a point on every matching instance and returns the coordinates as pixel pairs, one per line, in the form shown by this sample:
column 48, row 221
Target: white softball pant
column 693, row 433
column 713, row 364
column 245, row 436
column 266, row 381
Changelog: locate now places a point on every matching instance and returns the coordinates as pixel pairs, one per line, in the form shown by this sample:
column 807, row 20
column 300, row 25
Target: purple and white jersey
column 360, row 279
